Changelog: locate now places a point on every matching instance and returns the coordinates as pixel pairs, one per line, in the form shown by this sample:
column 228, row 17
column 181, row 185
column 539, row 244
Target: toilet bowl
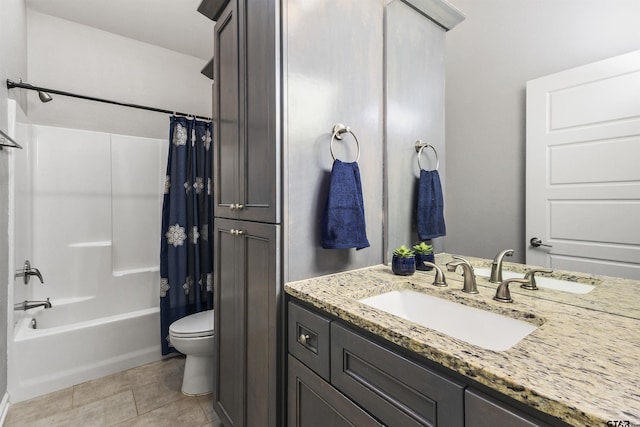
column 193, row 336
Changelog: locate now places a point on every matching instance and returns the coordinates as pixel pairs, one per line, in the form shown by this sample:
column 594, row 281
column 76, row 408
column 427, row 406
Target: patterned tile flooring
column 148, row 395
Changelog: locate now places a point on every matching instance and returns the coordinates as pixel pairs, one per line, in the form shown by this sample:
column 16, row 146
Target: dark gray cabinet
column 365, row 376
column 349, row 372
column 247, row 259
column 315, row 403
column 246, row 154
column 246, row 299
column 394, row 389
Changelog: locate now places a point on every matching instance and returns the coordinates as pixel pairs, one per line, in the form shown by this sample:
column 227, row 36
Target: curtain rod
column 11, row 84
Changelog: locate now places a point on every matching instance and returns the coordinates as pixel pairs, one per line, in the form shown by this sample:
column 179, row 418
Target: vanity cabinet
column 348, row 371
column 246, row 293
column 333, row 369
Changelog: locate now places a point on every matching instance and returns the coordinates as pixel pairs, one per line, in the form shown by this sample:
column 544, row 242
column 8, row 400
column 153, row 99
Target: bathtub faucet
column 27, row 305
column 27, row 272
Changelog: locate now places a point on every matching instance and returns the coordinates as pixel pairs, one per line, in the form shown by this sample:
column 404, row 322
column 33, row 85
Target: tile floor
column 148, row 395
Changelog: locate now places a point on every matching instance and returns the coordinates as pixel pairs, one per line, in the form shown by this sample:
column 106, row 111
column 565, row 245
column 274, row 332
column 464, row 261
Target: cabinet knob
column 239, row 206
column 235, row 232
column 303, row 338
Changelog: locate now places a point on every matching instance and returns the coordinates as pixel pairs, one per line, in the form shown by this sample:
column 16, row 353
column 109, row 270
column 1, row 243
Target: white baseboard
column 4, row 408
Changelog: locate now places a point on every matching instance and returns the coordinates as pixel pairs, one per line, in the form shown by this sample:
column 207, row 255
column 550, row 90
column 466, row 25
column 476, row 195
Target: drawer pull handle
column 304, row 339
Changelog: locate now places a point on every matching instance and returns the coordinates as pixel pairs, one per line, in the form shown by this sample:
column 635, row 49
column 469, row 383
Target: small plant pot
column 403, row 266
column 421, row 258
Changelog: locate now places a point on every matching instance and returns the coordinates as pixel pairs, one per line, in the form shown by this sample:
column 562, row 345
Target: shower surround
column 87, row 215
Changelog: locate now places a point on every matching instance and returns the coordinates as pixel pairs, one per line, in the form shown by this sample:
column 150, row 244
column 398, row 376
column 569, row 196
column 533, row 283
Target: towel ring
column 421, row 146
column 338, row 130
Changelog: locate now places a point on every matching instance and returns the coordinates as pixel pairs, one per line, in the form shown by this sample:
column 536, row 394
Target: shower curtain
column 186, row 242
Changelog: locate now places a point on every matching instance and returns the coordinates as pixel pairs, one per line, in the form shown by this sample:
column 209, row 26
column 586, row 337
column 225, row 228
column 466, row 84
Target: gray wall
column 490, row 56
column 333, row 74
column 13, row 63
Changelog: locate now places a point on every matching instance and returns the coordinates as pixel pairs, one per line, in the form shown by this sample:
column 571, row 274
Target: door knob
column 535, row 242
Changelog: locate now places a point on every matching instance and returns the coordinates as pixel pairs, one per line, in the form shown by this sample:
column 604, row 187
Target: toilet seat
column 193, row 326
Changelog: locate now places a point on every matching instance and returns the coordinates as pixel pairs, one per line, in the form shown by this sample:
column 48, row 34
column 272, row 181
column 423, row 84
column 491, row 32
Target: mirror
column 609, row 296
column 490, row 57
column 414, row 108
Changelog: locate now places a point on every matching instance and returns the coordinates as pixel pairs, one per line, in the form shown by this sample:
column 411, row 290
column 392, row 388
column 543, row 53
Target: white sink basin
column 542, row 282
column 479, row 327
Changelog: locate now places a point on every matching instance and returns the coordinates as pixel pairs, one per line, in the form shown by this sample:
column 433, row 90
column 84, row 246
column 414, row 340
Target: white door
column 583, row 168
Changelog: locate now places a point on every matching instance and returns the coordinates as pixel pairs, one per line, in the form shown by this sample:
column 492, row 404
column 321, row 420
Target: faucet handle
column 36, row 272
column 531, row 278
column 28, row 271
column 502, row 293
column 439, row 280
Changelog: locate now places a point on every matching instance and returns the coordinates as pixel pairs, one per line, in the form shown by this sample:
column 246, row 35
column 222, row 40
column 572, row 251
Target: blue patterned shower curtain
column 186, row 248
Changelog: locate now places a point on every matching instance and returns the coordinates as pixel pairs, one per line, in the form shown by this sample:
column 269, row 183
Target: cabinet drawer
column 314, row 403
column 309, row 339
column 395, row 390
column 484, row 411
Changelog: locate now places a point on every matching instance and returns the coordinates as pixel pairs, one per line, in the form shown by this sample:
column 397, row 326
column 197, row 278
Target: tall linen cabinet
column 285, row 72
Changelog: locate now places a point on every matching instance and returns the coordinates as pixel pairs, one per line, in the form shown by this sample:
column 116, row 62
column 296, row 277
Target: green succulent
column 403, row 252
column 423, row 248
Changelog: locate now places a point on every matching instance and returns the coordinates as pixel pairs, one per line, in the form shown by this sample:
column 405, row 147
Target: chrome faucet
column 28, row 305
column 439, row 280
column 496, row 266
column 469, row 286
column 28, row 271
column 502, row 292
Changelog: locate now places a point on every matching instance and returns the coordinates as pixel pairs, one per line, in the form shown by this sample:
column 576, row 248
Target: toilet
column 193, row 336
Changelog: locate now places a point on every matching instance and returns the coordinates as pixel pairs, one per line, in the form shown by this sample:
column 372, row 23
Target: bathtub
column 71, row 346
column 90, row 223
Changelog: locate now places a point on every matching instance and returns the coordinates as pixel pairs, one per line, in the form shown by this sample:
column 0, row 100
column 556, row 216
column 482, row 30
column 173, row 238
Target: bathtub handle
column 29, row 271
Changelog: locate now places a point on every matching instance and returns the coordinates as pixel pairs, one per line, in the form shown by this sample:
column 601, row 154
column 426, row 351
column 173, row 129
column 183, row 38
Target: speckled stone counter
column 581, row 365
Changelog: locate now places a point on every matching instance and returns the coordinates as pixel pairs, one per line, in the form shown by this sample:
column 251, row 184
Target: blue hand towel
column 430, row 206
column 343, row 223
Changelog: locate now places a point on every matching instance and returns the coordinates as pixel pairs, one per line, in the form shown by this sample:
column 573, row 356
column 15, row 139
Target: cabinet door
column 228, row 394
column 314, row 403
column 260, row 277
column 260, row 179
column 247, row 298
column 395, row 390
column 483, row 411
column 245, row 111
column 226, row 111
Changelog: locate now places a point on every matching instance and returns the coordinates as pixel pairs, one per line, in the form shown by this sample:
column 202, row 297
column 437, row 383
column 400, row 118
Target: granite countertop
column 582, row 365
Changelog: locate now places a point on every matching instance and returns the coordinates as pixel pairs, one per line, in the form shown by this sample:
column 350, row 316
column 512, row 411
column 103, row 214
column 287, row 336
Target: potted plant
column 423, row 252
column 403, row 262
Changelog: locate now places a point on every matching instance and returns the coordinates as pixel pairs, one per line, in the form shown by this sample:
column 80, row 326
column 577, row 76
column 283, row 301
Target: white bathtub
column 62, row 352
column 90, row 223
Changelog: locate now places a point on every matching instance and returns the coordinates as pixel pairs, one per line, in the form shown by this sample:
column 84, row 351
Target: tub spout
column 28, row 305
